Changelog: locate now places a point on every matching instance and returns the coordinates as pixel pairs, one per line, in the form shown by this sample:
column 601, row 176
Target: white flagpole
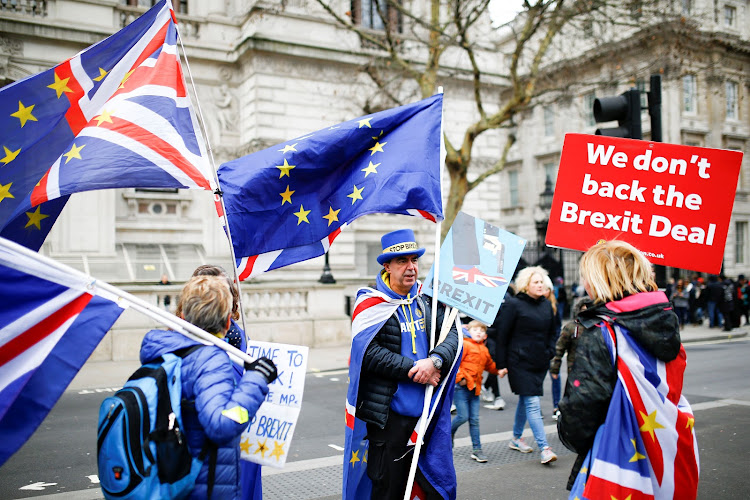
column 218, row 191
column 167, row 319
column 436, row 267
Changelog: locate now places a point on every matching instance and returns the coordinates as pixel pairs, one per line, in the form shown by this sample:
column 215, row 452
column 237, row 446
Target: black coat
column 525, row 342
column 383, row 365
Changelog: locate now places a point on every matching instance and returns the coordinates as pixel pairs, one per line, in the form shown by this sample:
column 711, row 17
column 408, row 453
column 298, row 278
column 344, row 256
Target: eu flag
column 114, row 115
column 287, row 203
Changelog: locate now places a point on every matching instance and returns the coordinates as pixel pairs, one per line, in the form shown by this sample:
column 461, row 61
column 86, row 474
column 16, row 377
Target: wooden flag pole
column 218, row 191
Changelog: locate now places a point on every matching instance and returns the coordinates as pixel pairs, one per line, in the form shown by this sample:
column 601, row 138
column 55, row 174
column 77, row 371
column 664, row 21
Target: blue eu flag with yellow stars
column 287, row 203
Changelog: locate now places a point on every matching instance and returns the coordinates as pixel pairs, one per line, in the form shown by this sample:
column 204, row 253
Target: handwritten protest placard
column 266, row 441
column 672, row 202
column 477, row 262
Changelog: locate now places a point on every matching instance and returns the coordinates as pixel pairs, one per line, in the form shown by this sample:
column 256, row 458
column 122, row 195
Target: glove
column 265, row 367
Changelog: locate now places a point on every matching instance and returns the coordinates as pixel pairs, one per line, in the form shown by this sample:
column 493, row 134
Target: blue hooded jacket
column 208, row 379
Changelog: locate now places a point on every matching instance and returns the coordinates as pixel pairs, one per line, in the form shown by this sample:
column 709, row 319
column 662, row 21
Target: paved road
column 62, row 451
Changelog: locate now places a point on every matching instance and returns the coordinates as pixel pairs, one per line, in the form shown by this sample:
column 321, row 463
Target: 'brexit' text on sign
column 672, row 202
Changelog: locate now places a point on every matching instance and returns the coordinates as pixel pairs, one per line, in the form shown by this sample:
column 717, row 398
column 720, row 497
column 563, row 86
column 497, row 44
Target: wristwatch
column 437, row 361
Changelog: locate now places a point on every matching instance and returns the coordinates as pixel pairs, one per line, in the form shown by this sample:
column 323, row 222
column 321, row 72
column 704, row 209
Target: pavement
column 105, row 374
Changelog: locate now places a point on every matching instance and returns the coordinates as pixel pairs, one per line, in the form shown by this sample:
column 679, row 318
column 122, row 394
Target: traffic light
column 626, row 109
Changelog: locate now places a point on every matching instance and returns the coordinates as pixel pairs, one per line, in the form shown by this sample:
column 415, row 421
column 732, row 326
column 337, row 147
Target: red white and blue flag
column 464, row 275
column 371, row 310
column 50, row 323
column 646, row 448
column 115, row 115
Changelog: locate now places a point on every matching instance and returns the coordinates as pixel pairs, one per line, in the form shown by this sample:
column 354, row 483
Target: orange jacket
column 475, row 359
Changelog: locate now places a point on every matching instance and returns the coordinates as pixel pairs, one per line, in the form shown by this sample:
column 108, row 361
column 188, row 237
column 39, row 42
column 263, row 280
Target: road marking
column 336, row 447
column 334, row 379
column 36, row 486
column 99, row 391
column 93, row 478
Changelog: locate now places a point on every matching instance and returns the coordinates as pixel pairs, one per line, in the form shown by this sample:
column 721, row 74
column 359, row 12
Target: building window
column 732, row 106
column 640, row 84
column 740, row 245
column 730, row 14
column 549, row 121
column 550, row 171
column 687, row 6
column 513, row 187
column 689, row 94
column 372, row 13
column 588, row 109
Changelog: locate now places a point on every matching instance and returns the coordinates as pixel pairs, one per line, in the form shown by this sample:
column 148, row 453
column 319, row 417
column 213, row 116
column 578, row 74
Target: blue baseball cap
column 399, row 242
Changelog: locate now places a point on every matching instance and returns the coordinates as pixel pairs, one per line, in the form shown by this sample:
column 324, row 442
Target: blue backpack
column 141, row 450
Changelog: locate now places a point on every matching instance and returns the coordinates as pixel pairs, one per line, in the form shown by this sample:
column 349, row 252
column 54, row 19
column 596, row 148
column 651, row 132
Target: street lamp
column 326, row 277
column 545, row 204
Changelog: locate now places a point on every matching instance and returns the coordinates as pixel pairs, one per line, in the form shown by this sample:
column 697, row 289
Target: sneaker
column 518, row 444
column 487, row 395
column 453, row 408
column 555, row 414
column 478, row 456
column 548, row 455
column 499, row 404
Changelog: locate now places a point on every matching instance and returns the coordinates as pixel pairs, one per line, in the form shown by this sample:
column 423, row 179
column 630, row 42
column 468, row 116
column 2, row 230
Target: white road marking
column 336, row 447
column 93, row 478
column 39, row 486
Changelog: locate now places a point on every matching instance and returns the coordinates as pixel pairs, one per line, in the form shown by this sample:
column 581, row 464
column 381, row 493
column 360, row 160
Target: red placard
column 671, row 202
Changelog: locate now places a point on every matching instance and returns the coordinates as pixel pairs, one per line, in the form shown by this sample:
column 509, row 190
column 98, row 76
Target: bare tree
column 408, row 46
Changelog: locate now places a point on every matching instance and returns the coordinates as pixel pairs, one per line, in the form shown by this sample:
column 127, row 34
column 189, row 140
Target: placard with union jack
column 477, row 263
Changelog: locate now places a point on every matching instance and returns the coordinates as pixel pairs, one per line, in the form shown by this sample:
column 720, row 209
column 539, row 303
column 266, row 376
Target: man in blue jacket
column 215, row 409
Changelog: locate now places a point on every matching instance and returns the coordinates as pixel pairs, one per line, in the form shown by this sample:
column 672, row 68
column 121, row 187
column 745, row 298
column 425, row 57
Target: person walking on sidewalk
column 475, row 359
column 555, row 382
column 623, row 405
column 526, row 344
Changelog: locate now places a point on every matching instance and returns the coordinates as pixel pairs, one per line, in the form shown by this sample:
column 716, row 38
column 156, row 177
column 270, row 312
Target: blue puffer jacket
column 208, row 379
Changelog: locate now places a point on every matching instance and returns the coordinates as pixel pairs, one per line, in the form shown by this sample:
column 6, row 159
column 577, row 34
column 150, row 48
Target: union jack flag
column 464, row 275
column 371, row 310
column 115, row 115
column 646, row 448
column 50, row 323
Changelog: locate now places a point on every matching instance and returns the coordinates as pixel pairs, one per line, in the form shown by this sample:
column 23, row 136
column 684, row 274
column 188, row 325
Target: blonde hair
column 551, row 295
column 614, row 269
column 474, row 323
column 211, row 270
column 524, row 277
column 206, row 302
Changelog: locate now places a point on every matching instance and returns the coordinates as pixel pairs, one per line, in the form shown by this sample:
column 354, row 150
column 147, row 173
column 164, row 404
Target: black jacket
column 525, row 342
column 383, row 366
column 592, row 379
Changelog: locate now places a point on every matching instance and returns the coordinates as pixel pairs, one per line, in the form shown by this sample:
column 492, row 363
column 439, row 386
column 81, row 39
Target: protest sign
column 477, row 262
column 266, row 441
column 672, row 202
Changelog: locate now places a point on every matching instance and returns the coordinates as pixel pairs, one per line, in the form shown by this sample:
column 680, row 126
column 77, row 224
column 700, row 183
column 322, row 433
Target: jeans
column 556, row 389
column 714, row 315
column 467, row 408
column 529, row 409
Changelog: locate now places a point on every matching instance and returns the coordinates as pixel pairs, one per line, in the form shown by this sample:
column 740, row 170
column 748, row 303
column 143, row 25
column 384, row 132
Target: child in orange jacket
column 475, row 359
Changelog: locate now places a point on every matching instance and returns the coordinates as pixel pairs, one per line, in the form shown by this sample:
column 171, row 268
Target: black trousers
column 389, row 457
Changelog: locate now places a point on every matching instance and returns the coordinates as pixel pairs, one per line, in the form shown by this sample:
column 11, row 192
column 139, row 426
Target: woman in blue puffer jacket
column 222, row 408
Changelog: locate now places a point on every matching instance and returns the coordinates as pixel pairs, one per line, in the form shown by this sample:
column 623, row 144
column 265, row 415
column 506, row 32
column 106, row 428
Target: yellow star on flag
column 377, row 148
column 690, row 423
column 10, row 155
column 365, row 122
column 35, row 218
column 285, row 168
column 371, row 169
column 245, row 445
column 125, row 79
column 650, row 424
column 24, row 113
column 333, row 216
column 302, row 215
column 637, row 455
column 286, row 196
column 101, row 76
column 105, row 116
column 364, row 460
column 288, row 148
column 584, row 470
column 356, row 194
column 262, row 449
column 278, row 450
column 355, row 458
column 75, row 152
column 5, row 191
column 60, row 86
column 375, row 137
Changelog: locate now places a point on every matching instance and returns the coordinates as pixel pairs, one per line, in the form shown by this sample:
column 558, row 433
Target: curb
column 728, row 336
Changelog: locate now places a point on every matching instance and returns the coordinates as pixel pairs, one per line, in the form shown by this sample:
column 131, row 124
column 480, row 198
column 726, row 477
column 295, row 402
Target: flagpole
column 436, row 271
column 218, row 191
column 167, row 319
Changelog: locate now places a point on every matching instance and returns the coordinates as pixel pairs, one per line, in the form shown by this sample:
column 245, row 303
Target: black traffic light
column 626, row 109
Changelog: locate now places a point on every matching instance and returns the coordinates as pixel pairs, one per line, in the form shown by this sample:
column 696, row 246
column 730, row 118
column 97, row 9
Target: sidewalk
column 106, row 374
